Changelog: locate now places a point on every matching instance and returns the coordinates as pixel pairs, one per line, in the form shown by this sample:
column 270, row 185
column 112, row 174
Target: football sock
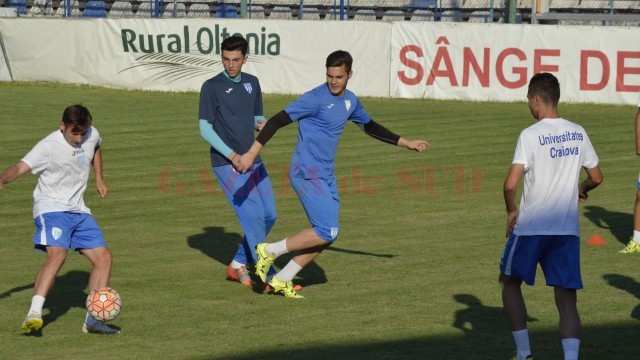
column 37, row 302
column 522, row 343
column 636, row 236
column 289, row 271
column 277, row 248
column 571, row 348
column 236, row 265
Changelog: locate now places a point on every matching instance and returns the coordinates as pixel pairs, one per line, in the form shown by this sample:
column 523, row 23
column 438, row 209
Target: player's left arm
column 385, row 135
column 591, row 182
column 97, row 169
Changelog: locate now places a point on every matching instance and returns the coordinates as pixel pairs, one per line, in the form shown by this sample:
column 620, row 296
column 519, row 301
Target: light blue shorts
column 68, row 230
column 320, row 200
column 558, row 255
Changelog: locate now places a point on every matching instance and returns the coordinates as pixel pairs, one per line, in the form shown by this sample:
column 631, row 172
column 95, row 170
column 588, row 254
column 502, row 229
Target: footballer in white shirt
column 62, row 161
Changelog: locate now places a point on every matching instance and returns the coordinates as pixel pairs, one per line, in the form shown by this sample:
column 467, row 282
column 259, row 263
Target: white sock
column 37, row 302
column 636, row 236
column 289, row 271
column 236, row 265
column 571, row 348
column 277, row 248
column 522, row 343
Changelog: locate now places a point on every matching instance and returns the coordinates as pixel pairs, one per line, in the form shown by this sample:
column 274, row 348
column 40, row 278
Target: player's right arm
column 591, row 182
column 276, row 122
column 510, row 190
column 12, row 173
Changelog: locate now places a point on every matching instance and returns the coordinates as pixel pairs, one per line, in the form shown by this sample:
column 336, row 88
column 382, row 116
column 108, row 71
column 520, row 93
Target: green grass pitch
column 413, row 274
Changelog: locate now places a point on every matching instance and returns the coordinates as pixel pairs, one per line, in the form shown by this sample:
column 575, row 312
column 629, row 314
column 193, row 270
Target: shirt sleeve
column 359, row 115
column 304, row 106
column 207, row 103
column 520, row 156
column 590, row 157
column 39, row 157
column 257, row 107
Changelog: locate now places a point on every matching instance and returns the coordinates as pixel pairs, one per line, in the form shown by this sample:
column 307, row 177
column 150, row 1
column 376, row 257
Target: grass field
column 412, row 276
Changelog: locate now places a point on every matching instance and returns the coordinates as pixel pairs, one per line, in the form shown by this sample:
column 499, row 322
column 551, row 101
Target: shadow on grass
column 620, row 225
column 485, row 336
column 221, row 246
column 627, row 284
column 69, row 291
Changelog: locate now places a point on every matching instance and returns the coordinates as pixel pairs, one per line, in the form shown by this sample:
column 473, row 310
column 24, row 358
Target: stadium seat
column 423, row 4
column 605, row 5
column 480, row 17
column 146, row 10
column 74, row 6
column 199, row 10
column 451, row 16
column 422, row 15
column 41, row 8
column 281, row 12
column 365, row 15
column 310, row 14
column 483, row 5
column 393, row 15
column 563, row 4
column 120, row 9
column 179, row 13
column 451, row 4
column 524, row 4
column 255, row 12
column 95, row 9
column 19, row 5
column 226, row 11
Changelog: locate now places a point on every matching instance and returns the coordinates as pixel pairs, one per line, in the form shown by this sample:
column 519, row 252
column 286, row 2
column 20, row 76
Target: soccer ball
column 104, row 304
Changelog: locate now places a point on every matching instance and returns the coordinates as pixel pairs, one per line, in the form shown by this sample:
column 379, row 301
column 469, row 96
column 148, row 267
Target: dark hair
column 546, row 86
column 78, row 118
column 235, row 42
column 339, row 58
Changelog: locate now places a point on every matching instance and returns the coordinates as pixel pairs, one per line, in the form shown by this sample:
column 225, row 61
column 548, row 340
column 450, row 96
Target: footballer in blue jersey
column 321, row 115
column 230, row 112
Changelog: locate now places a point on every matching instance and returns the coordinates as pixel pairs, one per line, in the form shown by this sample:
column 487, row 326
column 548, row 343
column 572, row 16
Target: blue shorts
column 320, row 200
column 558, row 255
column 68, row 230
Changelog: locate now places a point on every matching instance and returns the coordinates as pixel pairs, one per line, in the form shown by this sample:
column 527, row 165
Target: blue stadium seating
column 226, row 11
column 20, row 5
column 95, row 9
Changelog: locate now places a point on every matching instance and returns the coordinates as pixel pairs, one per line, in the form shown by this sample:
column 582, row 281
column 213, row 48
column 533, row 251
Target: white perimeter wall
column 406, row 59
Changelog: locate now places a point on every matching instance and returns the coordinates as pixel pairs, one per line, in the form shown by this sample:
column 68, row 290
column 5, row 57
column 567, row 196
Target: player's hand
column 511, row 221
column 102, row 187
column 417, row 145
column 246, row 160
column 260, row 125
column 582, row 196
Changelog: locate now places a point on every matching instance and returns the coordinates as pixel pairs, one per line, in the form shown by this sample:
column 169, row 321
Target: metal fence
column 580, row 12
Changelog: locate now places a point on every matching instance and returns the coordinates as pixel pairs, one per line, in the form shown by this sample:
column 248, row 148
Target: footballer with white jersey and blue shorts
column 230, row 112
column 62, row 162
column 321, row 115
column 550, row 155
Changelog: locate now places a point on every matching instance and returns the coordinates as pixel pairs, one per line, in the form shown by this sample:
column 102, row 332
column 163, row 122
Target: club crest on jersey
column 248, row 87
column 347, row 104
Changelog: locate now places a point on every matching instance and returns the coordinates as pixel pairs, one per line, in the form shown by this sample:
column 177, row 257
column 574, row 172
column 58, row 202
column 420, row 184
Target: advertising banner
column 180, row 54
column 493, row 62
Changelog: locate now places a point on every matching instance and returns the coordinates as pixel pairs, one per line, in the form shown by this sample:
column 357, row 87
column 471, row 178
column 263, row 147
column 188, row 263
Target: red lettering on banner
column 521, row 71
column 411, row 64
column 624, row 70
column 538, row 54
column 442, row 55
column 469, row 60
column 585, row 55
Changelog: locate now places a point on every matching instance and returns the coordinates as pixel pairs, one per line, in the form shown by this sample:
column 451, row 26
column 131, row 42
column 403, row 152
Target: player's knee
column 329, row 234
